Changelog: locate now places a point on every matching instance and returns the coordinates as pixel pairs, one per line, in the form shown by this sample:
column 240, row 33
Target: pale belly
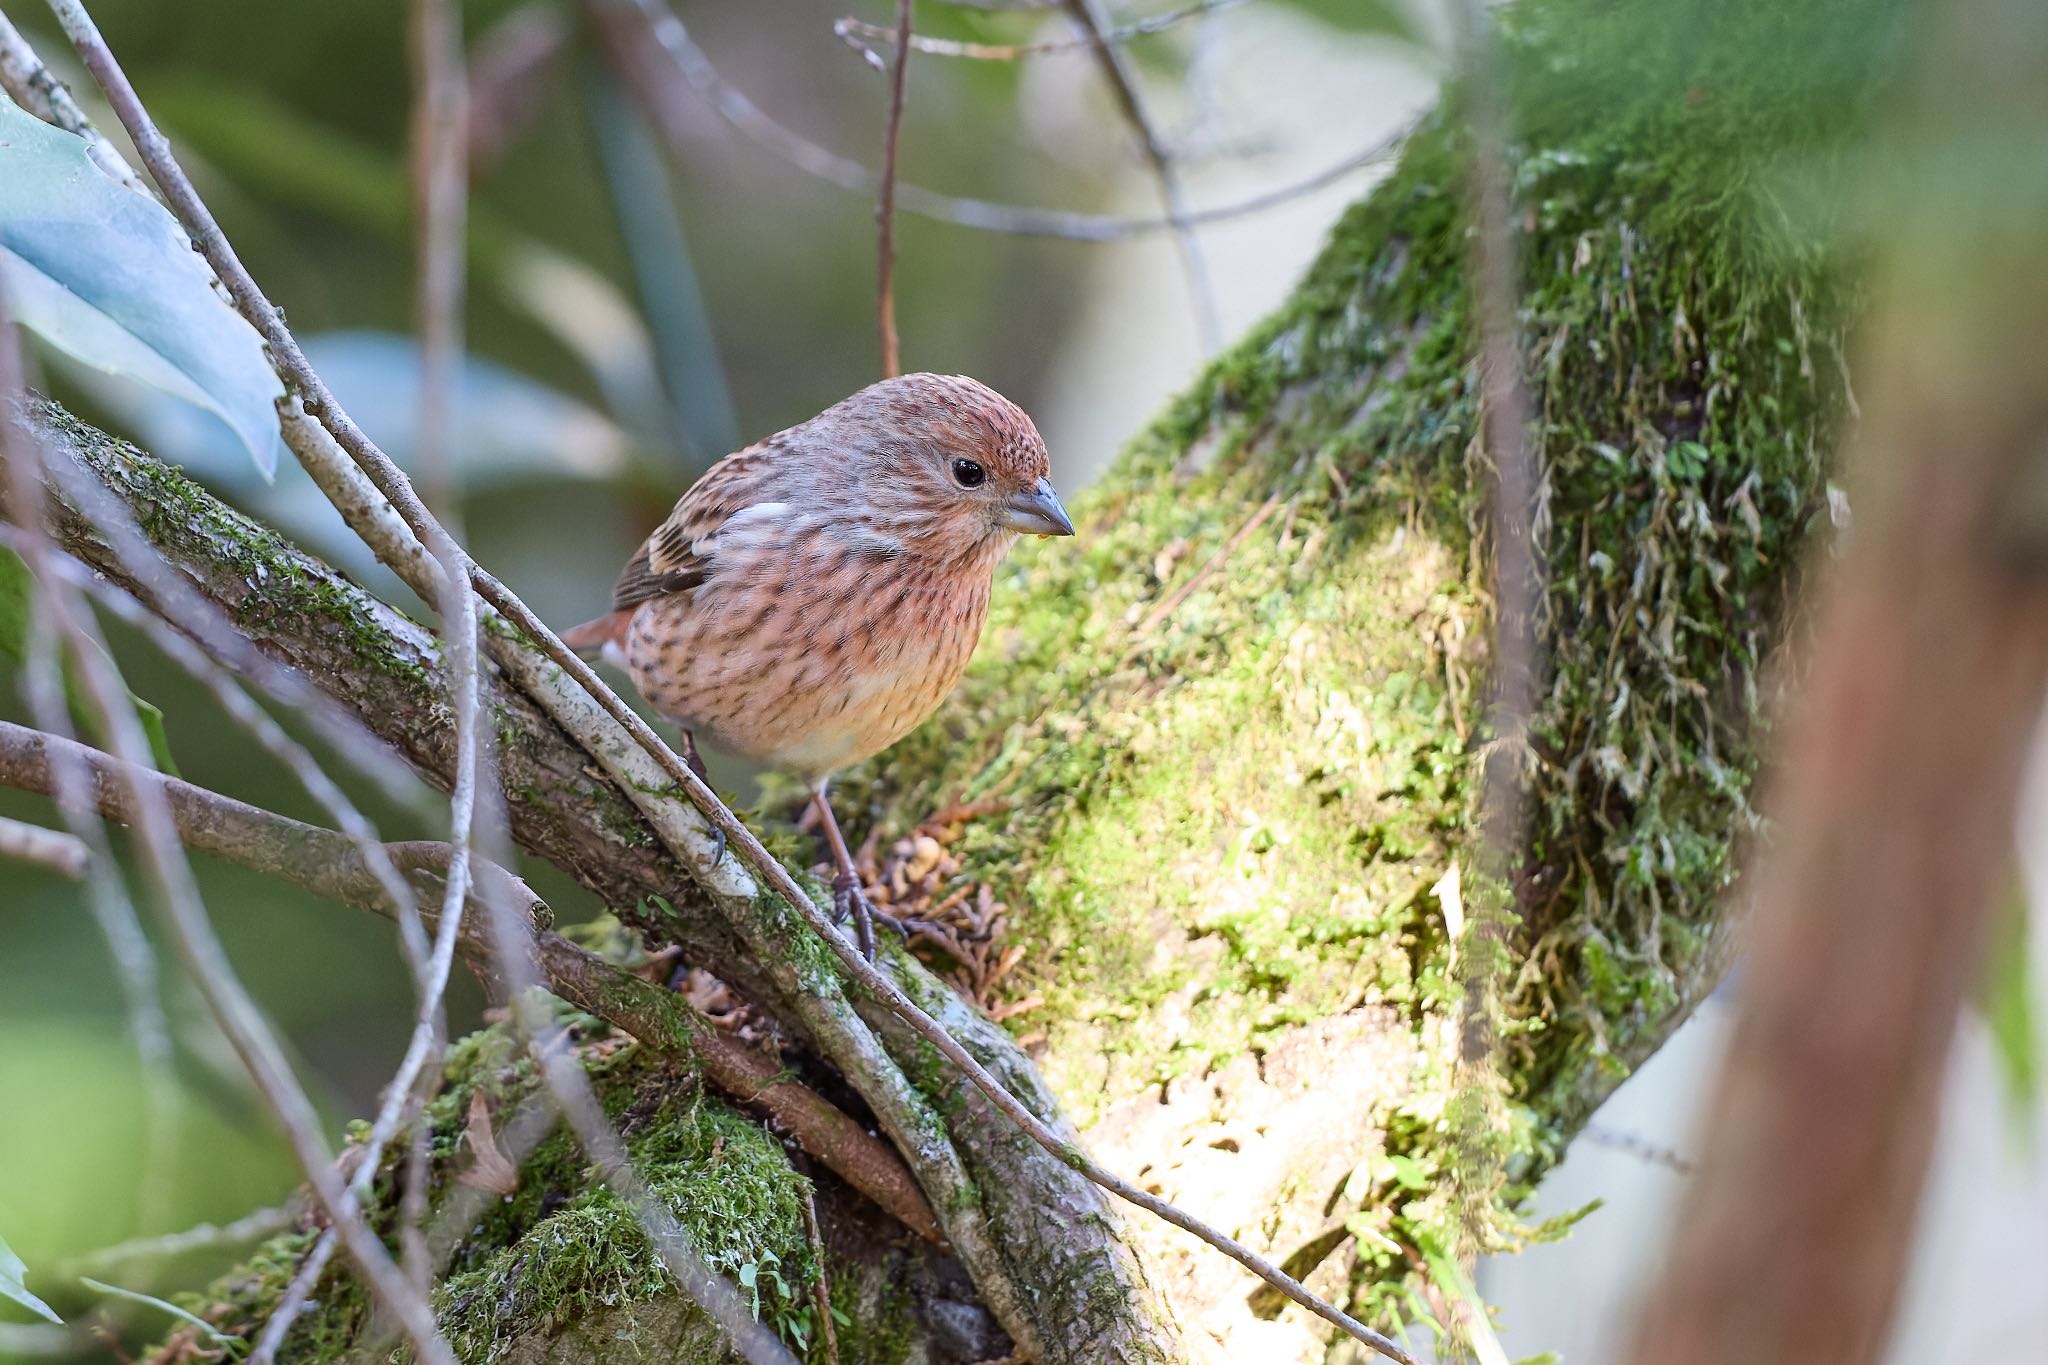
column 805, row 691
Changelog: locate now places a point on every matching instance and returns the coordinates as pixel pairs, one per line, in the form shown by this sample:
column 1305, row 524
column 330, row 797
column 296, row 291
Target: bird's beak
column 1037, row 512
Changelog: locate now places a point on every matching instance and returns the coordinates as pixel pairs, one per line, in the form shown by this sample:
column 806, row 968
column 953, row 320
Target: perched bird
column 813, row 598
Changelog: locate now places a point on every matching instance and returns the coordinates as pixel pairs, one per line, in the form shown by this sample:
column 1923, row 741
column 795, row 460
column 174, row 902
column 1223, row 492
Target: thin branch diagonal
column 659, row 61
column 177, row 894
column 858, row 33
column 135, row 963
column 1122, row 76
column 31, row 85
column 441, row 193
column 885, row 197
column 324, row 863
column 53, row 850
column 441, row 133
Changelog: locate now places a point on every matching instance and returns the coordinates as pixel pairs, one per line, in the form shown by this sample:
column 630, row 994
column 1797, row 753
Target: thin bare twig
column 698, row 851
column 42, row 685
column 858, row 33
column 600, row 1141
column 402, row 1095
column 885, row 198
column 441, row 190
column 440, row 136
column 324, row 863
column 509, row 70
column 658, row 54
column 30, row 84
column 821, row 1288
column 1656, row 1154
column 1171, row 603
column 202, row 667
column 50, row 849
column 177, row 894
column 1117, row 68
column 250, row 1227
column 135, row 962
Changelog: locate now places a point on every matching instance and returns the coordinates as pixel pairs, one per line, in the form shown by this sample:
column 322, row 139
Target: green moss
column 562, row 1251
column 877, row 1332
column 729, row 1186
column 1233, row 823
column 279, row 582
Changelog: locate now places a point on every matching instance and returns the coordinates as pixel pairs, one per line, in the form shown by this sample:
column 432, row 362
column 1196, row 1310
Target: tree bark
column 1234, row 724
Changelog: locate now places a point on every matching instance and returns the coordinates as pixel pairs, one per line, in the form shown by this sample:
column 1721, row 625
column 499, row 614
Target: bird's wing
column 676, row 557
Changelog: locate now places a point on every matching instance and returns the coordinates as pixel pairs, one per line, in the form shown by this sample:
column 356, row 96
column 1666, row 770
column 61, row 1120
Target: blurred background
column 643, row 296
column 654, row 279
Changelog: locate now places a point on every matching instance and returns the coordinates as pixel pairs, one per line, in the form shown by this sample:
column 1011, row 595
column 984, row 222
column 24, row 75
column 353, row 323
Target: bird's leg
column 693, row 758
column 847, row 896
column 696, row 765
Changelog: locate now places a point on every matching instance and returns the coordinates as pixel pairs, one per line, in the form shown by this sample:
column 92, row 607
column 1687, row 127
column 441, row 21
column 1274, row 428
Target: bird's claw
column 718, row 847
column 848, row 898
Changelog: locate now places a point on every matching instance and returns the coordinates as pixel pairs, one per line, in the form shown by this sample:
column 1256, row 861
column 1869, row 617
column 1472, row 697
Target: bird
column 813, row 597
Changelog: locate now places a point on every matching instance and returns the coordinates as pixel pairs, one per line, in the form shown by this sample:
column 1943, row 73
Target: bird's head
column 945, row 466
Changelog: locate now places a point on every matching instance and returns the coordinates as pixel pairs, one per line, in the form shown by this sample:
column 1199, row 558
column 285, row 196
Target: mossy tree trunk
column 1235, row 726
column 1237, row 723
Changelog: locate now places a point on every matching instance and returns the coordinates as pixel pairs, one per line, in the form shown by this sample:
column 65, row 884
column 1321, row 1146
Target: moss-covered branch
column 386, row 669
column 328, row 864
column 1233, row 809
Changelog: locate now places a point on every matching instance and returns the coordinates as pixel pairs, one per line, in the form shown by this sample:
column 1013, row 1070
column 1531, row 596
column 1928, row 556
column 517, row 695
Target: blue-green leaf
column 508, row 428
column 13, row 1285
column 107, row 276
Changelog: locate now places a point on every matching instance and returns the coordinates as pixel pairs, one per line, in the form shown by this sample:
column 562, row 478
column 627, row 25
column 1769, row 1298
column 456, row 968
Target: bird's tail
column 590, row 638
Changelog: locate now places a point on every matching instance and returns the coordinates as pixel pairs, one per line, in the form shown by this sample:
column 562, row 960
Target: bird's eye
column 969, row 474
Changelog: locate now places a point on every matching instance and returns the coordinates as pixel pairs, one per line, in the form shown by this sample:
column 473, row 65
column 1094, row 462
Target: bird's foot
column 848, row 898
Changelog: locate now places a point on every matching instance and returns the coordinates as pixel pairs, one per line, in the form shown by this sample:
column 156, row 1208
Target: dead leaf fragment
column 489, row 1170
